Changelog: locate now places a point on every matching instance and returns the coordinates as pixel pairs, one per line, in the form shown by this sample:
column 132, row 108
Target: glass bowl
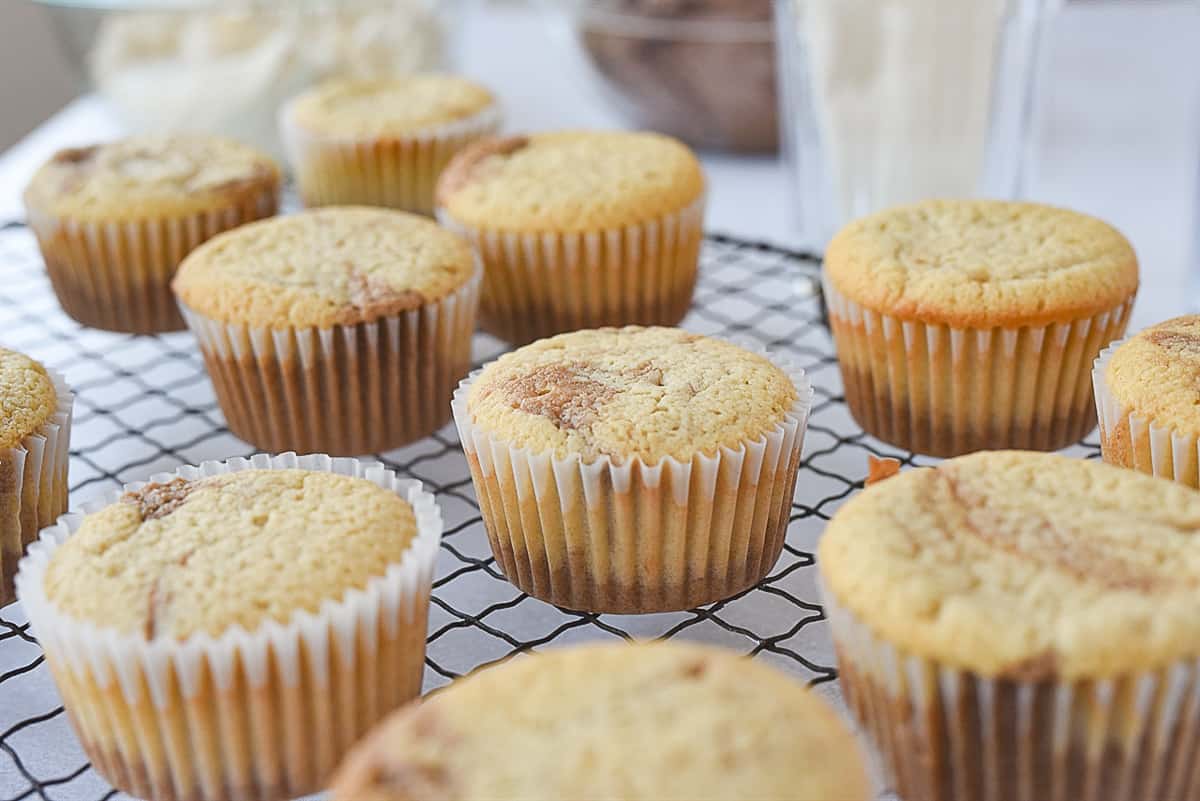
column 226, row 66
column 700, row 70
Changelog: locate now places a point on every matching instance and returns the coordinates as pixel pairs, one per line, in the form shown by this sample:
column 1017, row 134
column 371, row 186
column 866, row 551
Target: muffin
column 341, row 330
column 634, row 469
column 382, row 141
column 649, row 721
column 35, row 433
column 966, row 325
column 1021, row 625
column 1148, row 400
column 115, row 220
column 229, row 631
column 578, row 229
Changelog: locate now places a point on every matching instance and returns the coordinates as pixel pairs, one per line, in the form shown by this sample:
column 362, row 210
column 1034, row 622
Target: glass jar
column 894, row 101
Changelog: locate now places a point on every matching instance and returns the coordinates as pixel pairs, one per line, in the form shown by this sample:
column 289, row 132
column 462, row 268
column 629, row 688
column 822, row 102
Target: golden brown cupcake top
column 648, row 722
column 149, row 176
column 388, row 107
column 27, row 397
column 1023, row 565
column 644, row 393
column 325, row 267
column 1156, row 374
column 570, row 181
column 176, row 559
column 982, row 264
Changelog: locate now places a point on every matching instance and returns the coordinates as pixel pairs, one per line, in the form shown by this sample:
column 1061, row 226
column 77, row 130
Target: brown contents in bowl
column 701, row 70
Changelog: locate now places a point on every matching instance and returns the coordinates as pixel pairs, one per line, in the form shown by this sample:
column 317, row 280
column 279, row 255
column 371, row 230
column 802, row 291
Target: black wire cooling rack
column 145, row 405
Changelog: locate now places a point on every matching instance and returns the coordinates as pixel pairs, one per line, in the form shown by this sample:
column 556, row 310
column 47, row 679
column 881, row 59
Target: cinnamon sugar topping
column 155, row 501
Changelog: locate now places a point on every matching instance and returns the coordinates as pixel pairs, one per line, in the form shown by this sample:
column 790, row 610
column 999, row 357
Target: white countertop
column 1119, row 134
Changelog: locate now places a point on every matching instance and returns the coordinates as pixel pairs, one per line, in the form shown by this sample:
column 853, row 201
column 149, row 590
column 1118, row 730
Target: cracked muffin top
column 150, row 175
column 645, row 393
column 982, row 264
column 395, row 106
column 1156, row 374
column 27, row 397
column 646, row 721
column 331, row 266
column 1023, row 565
column 184, row 557
column 569, row 181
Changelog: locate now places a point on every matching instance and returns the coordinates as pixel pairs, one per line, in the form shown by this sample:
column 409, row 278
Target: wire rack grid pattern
column 145, row 405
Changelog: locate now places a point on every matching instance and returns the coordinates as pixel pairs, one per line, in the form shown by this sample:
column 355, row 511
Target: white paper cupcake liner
column 398, row 172
column 1128, row 439
column 116, row 275
column 628, row 538
column 345, row 390
column 947, row 391
column 540, row 284
column 945, row 734
column 34, row 484
column 262, row 714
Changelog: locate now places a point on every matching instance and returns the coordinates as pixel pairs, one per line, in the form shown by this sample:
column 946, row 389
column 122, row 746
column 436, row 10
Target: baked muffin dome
column 645, row 393
column 570, row 181
column 326, row 267
column 1156, row 374
column 28, row 398
column 1017, row 564
column 150, row 175
column 242, row 549
column 986, row 263
column 651, row 721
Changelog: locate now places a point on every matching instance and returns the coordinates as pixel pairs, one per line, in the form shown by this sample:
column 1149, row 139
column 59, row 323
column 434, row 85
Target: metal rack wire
column 145, row 405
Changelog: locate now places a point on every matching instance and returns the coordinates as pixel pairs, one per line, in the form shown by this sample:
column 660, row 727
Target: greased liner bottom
column 948, row 391
column 265, row 714
column 632, row 537
column 1128, row 439
column 539, row 284
column 346, row 390
column 944, row 734
column 117, row 275
column 34, row 485
column 394, row 172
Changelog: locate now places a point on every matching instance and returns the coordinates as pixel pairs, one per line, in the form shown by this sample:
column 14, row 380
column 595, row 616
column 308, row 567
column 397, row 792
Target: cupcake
column 115, row 220
column 1018, row 625
column 229, row 631
column 1148, row 399
column 634, row 469
column 35, row 433
column 382, row 141
column 966, row 325
column 638, row 722
column 578, row 229
column 341, row 330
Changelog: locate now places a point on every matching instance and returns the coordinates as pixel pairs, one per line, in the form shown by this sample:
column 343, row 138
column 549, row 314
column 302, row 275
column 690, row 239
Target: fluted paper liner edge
column 945, row 734
column 542, row 283
column 44, row 457
column 116, row 275
column 396, row 399
column 1025, row 387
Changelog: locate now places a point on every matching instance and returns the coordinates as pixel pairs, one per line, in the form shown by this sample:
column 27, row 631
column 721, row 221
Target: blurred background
column 806, row 112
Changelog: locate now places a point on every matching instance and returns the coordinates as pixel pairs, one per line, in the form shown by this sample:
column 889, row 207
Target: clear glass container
column 226, row 66
column 894, row 101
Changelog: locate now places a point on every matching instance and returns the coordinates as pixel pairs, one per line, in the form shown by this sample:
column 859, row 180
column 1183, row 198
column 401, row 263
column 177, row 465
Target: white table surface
column 1119, row 135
